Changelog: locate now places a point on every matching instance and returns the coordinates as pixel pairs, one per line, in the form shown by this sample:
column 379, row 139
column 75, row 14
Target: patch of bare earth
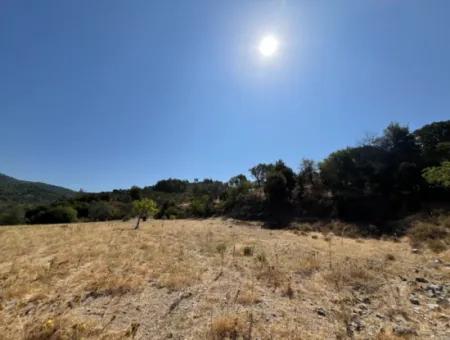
column 215, row 279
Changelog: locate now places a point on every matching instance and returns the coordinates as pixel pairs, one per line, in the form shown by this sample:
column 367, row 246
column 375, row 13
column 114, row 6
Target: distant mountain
column 13, row 190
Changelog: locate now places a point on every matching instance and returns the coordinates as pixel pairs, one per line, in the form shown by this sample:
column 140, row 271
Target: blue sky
column 107, row 94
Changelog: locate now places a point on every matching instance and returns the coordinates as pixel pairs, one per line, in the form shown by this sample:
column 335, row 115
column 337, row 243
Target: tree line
column 381, row 179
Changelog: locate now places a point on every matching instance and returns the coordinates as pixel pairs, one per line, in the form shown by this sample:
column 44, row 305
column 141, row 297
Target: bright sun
column 268, row 45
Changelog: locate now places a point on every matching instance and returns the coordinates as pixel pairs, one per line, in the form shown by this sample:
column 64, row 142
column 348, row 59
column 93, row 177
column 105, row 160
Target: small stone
column 402, row 330
column 435, row 288
column 363, row 306
column 321, row 311
column 432, row 306
column 421, row 280
column 414, row 300
column 357, row 325
column 415, row 251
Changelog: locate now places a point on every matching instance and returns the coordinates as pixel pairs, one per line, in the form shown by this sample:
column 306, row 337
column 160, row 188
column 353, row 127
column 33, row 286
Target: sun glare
column 268, row 45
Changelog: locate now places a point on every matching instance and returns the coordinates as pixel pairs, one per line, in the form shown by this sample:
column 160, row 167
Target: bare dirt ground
column 216, row 279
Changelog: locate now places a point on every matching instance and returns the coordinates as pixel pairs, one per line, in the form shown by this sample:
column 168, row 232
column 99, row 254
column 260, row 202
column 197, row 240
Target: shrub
column 202, row 206
column 169, row 210
column 248, row 206
column 12, row 216
column 53, row 214
column 101, row 211
column 436, row 236
column 423, row 232
column 248, row 251
column 228, row 327
column 437, row 246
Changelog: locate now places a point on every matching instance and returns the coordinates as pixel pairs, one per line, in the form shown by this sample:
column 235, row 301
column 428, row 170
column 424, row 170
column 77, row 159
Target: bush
column 53, row 214
column 169, row 210
column 249, row 206
column 101, row 211
column 437, row 237
column 202, row 206
column 12, row 216
column 423, row 231
column 278, row 205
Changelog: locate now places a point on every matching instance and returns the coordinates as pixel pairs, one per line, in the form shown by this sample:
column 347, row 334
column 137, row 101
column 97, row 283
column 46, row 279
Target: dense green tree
column 288, row 174
column 356, row 171
column 260, row 172
column 171, row 185
column 434, row 142
column 238, row 186
column 307, row 178
column 278, row 194
column 135, row 193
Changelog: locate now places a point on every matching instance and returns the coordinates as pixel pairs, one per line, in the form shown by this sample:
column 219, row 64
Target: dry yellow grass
column 191, row 279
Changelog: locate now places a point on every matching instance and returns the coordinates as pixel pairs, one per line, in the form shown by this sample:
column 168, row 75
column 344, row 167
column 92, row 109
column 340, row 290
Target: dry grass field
column 216, row 279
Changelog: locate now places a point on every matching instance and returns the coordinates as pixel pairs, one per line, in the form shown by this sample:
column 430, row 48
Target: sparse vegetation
column 190, row 278
column 433, row 233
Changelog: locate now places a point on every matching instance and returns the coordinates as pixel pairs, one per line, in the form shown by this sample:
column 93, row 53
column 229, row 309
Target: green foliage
column 311, row 196
column 376, row 181
column 101, row 211
column 248, row 206
column 260, row 173
column 145, row 207
column 171, row 185
column 208, row 187
column 287, row 173
column 135, row 193
column 434, row 142
column 238, row 187
column 52, row 214
column 202, row 206
column 356, row 171
column 438, row 175
column 12, row 216
column 278, row 193
column 169, row 210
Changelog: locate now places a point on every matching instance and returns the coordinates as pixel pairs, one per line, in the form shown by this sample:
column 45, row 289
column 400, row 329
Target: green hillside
column 14, row 191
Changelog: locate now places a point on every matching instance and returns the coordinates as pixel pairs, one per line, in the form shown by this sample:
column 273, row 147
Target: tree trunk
column 138, row 220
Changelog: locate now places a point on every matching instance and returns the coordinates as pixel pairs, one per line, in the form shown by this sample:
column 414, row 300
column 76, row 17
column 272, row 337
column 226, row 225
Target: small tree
column 143, row 209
